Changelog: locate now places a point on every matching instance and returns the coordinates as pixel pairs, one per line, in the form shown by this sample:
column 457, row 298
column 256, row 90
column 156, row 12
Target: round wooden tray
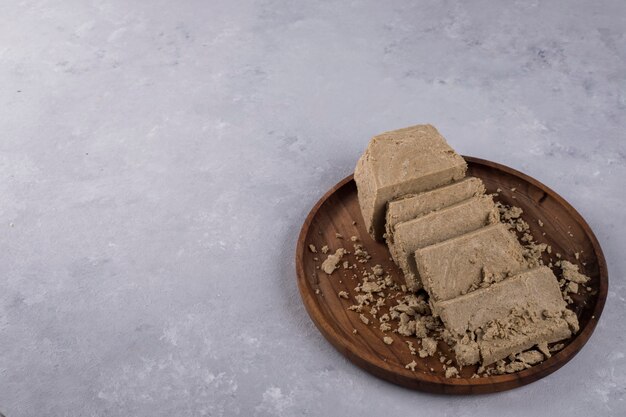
column 338, row 212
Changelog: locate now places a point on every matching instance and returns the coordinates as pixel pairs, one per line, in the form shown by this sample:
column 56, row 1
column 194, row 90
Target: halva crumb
column 451, row 372
column 332, row 262
column 429, row 347
column 570, row 272
column 411, row 365
column 530, row 357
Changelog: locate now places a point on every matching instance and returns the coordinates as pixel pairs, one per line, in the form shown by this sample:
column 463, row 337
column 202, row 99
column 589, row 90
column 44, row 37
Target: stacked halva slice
column 445, row 234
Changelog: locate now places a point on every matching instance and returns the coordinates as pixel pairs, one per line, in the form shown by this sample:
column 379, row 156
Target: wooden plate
column 338, row 212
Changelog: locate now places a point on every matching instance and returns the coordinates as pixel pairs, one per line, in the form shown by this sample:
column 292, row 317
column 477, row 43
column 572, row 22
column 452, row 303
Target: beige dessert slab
column 411, row 206
column 450, row 268
column 337, row 212
column 435, row 227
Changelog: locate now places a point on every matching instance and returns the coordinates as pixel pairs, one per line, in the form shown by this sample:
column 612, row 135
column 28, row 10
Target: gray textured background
column 158, row 158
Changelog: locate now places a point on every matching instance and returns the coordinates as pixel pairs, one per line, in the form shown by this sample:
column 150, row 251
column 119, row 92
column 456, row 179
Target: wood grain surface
column 338, row 212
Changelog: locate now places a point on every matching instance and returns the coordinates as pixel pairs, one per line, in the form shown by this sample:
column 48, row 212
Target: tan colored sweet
column 452, row 267
column 530, row 357
column 429, row 347
column 508, row 317
column 570, row 273
column 411, row 206
column 332, row 262
column 444, row 234
column 543, row 330
column 535, row 290
column 435, row 227
column 467, row 352
column 400, row 162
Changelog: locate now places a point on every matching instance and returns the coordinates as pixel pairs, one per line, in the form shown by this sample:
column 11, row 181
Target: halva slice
column 411, row 206
column 435, row 227
column 404, row 161
column 522, row 330
column 452, row 267
column 535, row 290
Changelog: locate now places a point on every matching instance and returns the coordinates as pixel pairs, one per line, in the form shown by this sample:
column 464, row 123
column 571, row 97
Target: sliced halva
column 522, row 331
column 435, row 227
column 452, row 267
column 411, row 206
column 535, row 290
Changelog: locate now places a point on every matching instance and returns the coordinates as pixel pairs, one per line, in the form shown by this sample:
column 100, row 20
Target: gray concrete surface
column 158, row 158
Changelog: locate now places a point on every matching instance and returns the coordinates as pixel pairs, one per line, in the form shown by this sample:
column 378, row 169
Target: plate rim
column 434, row 383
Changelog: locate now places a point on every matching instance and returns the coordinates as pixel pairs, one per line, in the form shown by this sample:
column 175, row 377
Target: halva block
column 400, row 162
